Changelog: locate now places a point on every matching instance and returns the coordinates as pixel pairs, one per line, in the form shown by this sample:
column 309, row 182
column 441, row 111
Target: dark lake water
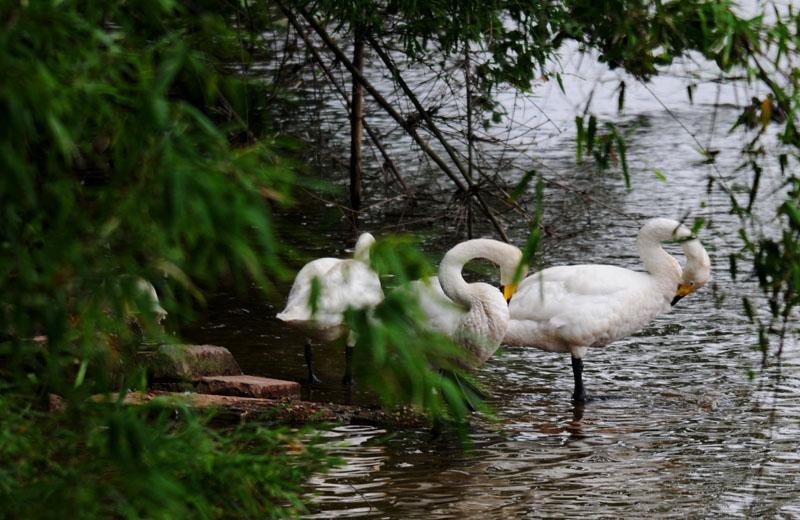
column 689, row 425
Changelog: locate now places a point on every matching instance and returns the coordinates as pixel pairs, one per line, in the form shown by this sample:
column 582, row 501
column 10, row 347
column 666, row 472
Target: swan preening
column 340, row 284
column 572, row 308
column 474, row 315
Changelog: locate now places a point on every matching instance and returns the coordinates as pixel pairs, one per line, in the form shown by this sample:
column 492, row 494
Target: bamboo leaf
column 560, row 83
column 621, row 149
column 791, row 211
column 766, row 113
column 579, row 139
column 591, row 133
column 522, row 185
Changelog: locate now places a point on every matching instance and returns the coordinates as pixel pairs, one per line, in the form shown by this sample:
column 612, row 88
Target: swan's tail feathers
column 473, row 396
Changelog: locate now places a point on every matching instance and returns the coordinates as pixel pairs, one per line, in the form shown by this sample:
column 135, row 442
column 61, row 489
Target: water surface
column 687, row 423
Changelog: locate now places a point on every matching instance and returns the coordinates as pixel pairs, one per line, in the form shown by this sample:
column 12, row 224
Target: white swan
column 149, row 293
column 343, row 284
column 572, row 308
column 474, row 315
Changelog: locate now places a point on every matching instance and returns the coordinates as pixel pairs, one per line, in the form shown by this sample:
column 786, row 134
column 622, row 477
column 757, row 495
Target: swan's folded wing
column 442, row 315
column 585, row 305
column 297, row 304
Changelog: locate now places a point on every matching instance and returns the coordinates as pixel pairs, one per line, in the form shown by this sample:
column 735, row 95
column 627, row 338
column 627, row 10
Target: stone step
column 189, row 362
column 248, row 386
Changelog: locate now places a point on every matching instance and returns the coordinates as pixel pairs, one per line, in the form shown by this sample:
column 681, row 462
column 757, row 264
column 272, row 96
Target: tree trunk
column 468, row 82
column 356, row 124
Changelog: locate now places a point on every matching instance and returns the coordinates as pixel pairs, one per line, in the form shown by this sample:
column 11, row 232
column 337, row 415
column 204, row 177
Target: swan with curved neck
column 342, row 284
column 479, row 318
column 572, row 308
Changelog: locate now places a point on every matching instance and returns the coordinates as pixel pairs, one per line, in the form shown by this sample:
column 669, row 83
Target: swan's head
column 363, row 245
column 512, row 270
column 697, row 270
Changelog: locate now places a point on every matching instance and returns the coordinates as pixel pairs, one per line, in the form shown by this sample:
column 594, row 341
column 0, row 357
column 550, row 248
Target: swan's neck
column 450, row 278
column 452, row 282
column 660, row 264
column 698, row 265
column 363, row 245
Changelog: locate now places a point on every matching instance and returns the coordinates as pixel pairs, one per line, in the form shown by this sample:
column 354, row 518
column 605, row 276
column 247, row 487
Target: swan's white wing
column 297, row 307
column 441, row 313
column 584, row 305
column 348, row 284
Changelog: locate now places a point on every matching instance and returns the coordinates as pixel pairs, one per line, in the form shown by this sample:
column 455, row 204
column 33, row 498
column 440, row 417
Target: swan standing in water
column 343, row 284
column 474, row 315
column 572, row 308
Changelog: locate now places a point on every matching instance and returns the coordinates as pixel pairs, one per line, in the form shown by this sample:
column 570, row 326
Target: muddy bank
column 239, row 410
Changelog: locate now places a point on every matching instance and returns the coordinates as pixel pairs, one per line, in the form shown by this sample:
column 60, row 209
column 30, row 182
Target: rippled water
column 679, row 429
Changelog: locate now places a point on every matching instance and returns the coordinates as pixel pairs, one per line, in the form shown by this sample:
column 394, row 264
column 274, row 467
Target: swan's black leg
column 347, row 380
column 312, row 379
column 579, row 395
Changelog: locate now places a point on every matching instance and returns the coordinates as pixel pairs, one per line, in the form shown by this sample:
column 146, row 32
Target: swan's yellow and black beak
column 508, row 291
column 683, row 290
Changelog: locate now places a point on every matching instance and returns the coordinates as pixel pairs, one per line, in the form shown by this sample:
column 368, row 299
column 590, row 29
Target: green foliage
column 113, row 168
column 607, row 148
column 101, row 460
column 394, row 337
column 128, row 153
column 531, row 253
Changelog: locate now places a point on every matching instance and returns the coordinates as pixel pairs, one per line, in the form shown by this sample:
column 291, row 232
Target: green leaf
column 591, row 132
column 748, row 309
column 560, row 83
column 621, row 147
column 791, row 211
column 522, row 185
column 61, row 135
column 579, row 139
column 697, row 225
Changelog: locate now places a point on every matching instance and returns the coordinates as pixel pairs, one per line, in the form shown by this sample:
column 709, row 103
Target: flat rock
column 189, row 362
column 248, row 386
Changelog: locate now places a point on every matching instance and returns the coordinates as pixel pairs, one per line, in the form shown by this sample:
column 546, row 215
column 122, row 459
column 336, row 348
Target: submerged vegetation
column 140, row 140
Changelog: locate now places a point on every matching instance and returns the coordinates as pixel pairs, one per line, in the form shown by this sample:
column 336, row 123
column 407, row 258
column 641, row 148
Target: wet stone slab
column 248, row 386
